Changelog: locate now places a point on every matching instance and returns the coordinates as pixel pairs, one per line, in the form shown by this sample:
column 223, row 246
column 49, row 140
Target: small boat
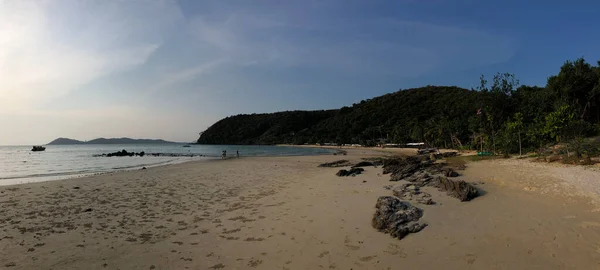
column 38, row 148
column 186, row 145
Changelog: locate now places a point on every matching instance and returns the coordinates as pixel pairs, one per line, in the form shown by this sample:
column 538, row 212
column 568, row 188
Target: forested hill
column 400, row 117
column 271, row 128
column 499, row 115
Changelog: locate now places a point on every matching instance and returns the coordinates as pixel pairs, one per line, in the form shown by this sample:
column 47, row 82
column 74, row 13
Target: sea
column 18, row 164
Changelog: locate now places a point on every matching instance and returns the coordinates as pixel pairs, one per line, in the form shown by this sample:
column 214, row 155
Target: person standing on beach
column 224, row 155
column 237, row 153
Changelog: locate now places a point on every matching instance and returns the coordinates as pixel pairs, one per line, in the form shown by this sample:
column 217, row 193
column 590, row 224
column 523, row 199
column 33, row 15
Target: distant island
column 67, row 141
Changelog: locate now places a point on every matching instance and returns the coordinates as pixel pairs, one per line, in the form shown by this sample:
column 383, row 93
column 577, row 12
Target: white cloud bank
column 48, row 48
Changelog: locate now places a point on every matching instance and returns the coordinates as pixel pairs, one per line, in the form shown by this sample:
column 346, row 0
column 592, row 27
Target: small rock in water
column 143, row 168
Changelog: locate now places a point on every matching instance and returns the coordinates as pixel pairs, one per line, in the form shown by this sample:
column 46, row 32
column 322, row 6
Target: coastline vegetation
column 500, row 116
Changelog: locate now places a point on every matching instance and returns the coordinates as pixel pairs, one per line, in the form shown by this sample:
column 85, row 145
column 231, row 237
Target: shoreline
column 76, row 175
column 288, row 213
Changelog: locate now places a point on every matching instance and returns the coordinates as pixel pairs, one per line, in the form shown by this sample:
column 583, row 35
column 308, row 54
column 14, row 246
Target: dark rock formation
column 419, row 172
column 396, row 218
column 338, row 163
column 458, row 189
column 449, row 172
column 38, row 148
column 363, row 164
column 124, row 153
column 412, row 192
column 427, row 151
column 351, row 172
column 141, row 154
column 407, row 167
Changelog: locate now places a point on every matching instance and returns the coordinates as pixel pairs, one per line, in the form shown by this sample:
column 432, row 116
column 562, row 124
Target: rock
column 458, row 189
column 412, row 192
column 124, row 153
column 403, row 171
column 418, row 171
column 38, row 148
column 420, row 178
column 375, row 161
column 351, row 172
column 143, row 168
column 427, row 151
column 88, row 210
column 363, row 164
column 339, row 163
column 75, row 187
column 396, row 218
column 449, row 172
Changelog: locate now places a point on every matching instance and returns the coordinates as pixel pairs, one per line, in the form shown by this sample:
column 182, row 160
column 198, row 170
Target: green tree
column 515, row 126
column 557, row 122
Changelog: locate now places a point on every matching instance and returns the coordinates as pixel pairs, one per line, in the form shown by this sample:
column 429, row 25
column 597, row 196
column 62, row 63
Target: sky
column 169, row 69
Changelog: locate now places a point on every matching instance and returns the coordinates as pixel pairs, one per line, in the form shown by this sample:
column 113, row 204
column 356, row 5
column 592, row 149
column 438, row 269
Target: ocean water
column 18, row 164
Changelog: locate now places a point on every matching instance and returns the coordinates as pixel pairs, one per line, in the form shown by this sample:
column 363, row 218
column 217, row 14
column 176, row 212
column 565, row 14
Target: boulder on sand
column 449, row 172
column 458, row 189
column 351, row 172
column 363, row 164
column 396, row 218
column 412, row 192
column 338, row 163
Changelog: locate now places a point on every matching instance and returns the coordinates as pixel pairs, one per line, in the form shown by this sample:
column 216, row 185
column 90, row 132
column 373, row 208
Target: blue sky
column 169, row 69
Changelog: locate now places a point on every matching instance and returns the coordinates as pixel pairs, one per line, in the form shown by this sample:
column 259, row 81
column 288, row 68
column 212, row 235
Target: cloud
column 48, row 48
column 185, row 75
column 352, row 45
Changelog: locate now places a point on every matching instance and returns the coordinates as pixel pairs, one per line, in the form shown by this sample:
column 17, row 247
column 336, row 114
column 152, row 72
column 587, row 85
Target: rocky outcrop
column 420, row 172
column 396, row 218
column 407, row 167
column 456, row 188
column 338, row 163
column 449, row 172
column 124, row 153
column 363, row 164
column 399, row 218
column 412, row 192
column 38, row 148
column 351, row 172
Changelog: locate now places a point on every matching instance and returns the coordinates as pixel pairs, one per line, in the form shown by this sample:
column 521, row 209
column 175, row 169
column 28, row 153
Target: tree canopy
column 501, row 115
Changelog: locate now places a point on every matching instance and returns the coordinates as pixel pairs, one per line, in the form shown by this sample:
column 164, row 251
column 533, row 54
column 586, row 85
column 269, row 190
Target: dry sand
column 286, row 213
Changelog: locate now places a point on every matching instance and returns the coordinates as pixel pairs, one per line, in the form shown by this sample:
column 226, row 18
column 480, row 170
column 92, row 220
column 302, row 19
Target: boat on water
column 186, row 145
column 38, row 148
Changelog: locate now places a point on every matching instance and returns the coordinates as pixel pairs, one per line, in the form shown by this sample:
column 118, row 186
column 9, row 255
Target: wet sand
column 286, row 213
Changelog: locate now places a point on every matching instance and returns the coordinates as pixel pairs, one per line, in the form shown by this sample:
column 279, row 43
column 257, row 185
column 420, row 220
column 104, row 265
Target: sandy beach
column 287, row 213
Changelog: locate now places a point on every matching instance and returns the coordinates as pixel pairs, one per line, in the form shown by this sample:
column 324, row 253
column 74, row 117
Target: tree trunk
column 520, row 153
